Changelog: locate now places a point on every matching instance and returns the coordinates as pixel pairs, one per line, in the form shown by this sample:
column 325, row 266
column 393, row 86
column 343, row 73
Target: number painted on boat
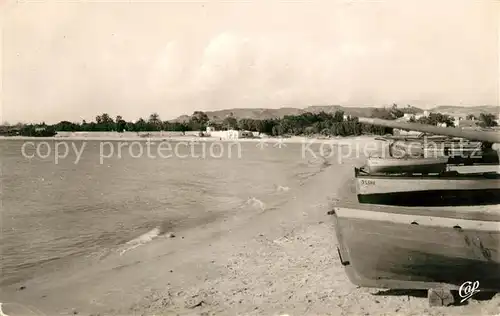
column 368, row 182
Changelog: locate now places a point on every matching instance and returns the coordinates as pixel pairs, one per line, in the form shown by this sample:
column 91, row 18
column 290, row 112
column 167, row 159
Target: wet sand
column 271, row 262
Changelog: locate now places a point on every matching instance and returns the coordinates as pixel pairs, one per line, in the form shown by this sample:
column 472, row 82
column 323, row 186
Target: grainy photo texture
column 260, row 157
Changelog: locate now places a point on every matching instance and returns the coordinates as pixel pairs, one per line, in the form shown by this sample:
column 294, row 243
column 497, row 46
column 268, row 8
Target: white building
column 229, row 134
column 408, row 116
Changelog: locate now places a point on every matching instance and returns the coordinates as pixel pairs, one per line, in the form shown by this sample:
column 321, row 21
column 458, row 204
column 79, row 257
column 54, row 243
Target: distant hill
column 465, row 110
column 258, row 113
column 261, row 113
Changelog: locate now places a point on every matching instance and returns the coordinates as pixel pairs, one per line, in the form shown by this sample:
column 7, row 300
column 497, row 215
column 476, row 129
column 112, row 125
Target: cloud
column 168, row 69
column 65, row 61
column 226, row 58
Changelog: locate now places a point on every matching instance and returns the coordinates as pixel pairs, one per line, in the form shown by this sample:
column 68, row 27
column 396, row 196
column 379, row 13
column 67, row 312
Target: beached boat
column 492, row 136
column 419, row 248
column 436, row 147
column 406, row 165
column 419, row 234
column 443, row 189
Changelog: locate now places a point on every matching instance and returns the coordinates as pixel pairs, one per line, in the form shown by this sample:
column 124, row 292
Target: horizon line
column 32, row 122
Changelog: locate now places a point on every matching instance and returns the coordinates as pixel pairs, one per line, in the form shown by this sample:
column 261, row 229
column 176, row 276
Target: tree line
column 322, row 123
column 327, row 124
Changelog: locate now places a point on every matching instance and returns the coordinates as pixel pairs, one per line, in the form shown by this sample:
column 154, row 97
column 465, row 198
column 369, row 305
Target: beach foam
column 141, row 240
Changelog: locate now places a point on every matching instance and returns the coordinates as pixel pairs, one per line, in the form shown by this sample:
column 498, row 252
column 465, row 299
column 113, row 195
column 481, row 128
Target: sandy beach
column 272, row 262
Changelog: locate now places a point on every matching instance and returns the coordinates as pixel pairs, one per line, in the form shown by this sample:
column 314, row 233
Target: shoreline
column 293, row 139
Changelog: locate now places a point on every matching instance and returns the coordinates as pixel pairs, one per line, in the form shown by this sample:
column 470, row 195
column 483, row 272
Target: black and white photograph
column 250, row 157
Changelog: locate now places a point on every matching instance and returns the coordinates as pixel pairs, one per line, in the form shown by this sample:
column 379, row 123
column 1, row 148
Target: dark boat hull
column 434, row 198
column 390, row 250
column 445, row 189
column 393, row 165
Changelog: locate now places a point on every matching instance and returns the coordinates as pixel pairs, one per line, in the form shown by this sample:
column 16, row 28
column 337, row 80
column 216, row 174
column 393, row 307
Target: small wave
column 142, row 239
column 254, row 202
column 280, row 188
column 319, row 165
column 323, row 161
column 15, row 309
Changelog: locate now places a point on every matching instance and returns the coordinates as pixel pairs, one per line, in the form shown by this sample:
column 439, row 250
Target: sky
column 72, row 60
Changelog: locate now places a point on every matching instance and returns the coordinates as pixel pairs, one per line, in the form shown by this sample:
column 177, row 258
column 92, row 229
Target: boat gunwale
column 431, row 176
column 418, row 159
column 461, row 212
column 421, row 220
